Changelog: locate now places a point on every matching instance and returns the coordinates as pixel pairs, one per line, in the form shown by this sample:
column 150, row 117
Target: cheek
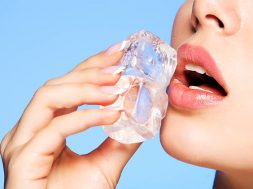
column 183, row 138
column 182, row 28
column 210, row 139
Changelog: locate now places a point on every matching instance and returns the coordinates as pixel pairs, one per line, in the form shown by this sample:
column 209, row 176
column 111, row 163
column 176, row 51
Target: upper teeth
column 192, row 67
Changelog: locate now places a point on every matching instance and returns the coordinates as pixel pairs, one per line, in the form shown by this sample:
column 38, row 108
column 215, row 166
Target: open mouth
column 197, row 78
column 197, row 82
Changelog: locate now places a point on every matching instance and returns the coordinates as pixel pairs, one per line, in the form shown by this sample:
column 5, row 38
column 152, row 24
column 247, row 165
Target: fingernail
column 118, row 47
column 111, row 108
column 112, row 90
column 114, row 69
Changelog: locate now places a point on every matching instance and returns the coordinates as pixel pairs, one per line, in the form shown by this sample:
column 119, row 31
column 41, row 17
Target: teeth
column 195, row 68
column 177, row 81
column 198, row 88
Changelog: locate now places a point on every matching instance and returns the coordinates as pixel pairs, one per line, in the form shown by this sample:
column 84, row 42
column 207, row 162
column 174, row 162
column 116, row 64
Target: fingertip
column 101, row 59
column 111, row 116
column 110, row 78
column 111, row 112
column 114, row 70
column 103, row 55
column 113, row 59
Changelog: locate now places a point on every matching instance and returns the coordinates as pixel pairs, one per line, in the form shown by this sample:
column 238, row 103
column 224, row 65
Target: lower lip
column 183, row 97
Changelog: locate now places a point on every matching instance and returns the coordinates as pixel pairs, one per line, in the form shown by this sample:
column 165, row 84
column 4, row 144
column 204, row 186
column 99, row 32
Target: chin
column 188, row 138
column 198, row 138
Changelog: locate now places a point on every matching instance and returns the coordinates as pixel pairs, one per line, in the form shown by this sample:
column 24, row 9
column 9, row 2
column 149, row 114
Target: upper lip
column 190, row 54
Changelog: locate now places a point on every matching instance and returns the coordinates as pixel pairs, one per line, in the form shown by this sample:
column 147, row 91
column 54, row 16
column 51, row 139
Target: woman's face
column 212, row 129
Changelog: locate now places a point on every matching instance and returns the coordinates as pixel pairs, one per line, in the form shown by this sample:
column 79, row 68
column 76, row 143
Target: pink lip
column 180, row 95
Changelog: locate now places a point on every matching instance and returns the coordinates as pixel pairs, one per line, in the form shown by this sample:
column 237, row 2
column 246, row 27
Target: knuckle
column 81, row 65
column 2, row 148
column 42, row 92
column 4, row 143
column 93, row 60
column 86, row 87
column 50, row 82
column 96, row 70
column 6, row 155
column 55, row 81
column 93, row 74
column 55, row 122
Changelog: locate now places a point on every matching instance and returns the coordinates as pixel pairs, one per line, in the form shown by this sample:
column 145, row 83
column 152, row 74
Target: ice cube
column 149, row 66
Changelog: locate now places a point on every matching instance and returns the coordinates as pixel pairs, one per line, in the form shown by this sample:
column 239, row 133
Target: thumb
column 112, row 157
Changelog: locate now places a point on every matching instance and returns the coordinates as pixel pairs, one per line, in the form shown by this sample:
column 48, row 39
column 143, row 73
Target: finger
column 99, row 76
column 73, row 94
column 66, row 125
column 105, row 58
column 7, row 138
column 111, row 152
column 47, row 144
column 49, row 99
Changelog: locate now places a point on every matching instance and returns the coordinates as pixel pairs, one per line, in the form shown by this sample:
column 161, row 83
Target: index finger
column 109, row 57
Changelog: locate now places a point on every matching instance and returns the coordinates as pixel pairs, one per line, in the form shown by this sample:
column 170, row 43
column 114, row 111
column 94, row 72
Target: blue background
column 43, row 39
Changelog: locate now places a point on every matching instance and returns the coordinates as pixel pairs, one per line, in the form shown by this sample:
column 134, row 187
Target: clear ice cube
column 149, row 66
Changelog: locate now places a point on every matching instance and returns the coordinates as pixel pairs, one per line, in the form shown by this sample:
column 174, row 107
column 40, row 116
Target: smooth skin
column 218, row 137
column 34, row 152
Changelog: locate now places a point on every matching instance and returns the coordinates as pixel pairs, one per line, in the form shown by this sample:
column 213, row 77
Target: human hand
column 34, row 152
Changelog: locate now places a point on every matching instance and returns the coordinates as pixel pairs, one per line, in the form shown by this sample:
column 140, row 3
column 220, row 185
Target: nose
column 217, row 15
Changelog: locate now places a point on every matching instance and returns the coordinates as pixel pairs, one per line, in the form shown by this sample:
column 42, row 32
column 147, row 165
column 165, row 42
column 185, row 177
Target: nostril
column 195, row 24
column 221, row 23
column 217, row 20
